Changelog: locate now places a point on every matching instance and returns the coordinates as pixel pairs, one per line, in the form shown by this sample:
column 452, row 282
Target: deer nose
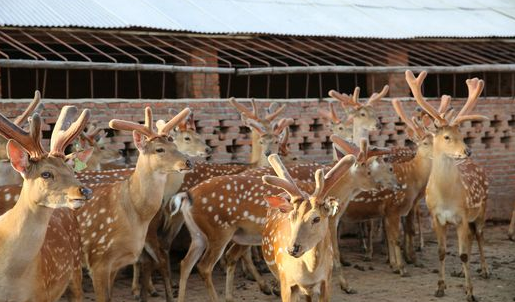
column 209, row 150
column 86, row 192
column 294, row 250
column 268, row 152
column 188, row 164
column 468, row 152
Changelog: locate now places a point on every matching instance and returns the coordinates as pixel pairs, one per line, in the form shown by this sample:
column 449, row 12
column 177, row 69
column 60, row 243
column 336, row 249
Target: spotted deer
column 296, row 242
column 39, row 245
column 229, row 208
column 9, row 175
column 113, row 224
column 102, row 156
column 457, row 189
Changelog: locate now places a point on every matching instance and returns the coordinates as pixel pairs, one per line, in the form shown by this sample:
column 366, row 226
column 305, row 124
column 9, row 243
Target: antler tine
column 445, row 102
column 343, row 98
column 166, row 128
column 132, row 126
column 346, row 146
column 256, row 126
column 376, row 97
column 287, row 186
column 283, row 123
column 335, row 174
column 255, row 110
column 319, row 183
column 280, row 170
column 331, row 114
column 415, row 85
column 355, row 96
column 20, row 120
column 283, row 146
column 402, row 114
column 65, row 131
column 244, row 110
column 475, row 117
column 191, row 122
column 377, row 151
column 475, row 87
column 271, row 116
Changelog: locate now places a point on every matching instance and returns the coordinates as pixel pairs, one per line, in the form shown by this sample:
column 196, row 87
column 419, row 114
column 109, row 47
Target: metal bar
column 81, row 65
column 377, row 69
column 306, row 53
column 44, row 45
column 189, row 54
column 162, row 50
column 321, row 46
column 20, row 47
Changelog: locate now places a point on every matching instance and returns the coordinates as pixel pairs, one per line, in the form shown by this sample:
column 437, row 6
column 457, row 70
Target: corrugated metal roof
column 341, row 18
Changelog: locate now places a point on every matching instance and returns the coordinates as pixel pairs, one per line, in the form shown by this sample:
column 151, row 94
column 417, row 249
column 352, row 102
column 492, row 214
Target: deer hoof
column 367, row 258
column 265, row 290
column 471, row 298
column 485, row 274
column 154, row 294
column 349, row 290
column 136, row 297
column 458, row 274
column 276, row 290
column 439, row 293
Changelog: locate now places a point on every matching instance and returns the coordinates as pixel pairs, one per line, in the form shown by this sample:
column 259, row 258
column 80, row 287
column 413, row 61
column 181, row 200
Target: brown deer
column 113, row 224
column 9, row 175
column 102, row 156
column 511, row 230
column 457, row 189
column 229, row 208
column 39, row 247
column 296, row 242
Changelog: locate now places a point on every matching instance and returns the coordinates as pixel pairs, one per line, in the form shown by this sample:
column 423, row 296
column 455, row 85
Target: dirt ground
column 374, row 280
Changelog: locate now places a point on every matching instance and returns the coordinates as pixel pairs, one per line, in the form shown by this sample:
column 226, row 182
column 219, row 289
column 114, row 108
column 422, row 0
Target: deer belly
column 245, row 237
column 446, row 215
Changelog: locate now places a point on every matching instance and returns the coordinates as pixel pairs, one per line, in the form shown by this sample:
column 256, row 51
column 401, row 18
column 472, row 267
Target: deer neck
column 358, row 132
column 255, row 156
column 444, row 173
column 146, row 188
column 173, row 184
column 317, row 254
column 22, row 233
column 344, row 190
column 414, row 173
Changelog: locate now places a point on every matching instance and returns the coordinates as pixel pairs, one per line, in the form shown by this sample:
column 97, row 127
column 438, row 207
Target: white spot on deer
column 102, row 210
column 210, row 208
column 221, row 197
column 245, row 213
column 204, row 200
column 216, row 218
column 221, row 205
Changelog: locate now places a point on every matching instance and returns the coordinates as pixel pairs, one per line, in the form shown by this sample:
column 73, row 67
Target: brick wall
column 493, row 142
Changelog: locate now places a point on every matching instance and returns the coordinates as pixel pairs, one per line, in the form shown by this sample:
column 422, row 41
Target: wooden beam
column 376, row 69
column 81, row 65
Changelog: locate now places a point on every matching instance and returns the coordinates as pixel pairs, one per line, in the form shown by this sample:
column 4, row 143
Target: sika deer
column 113, row 225
column 102, row 156
column 295, row 239
column 457, row 188
column 39, row 248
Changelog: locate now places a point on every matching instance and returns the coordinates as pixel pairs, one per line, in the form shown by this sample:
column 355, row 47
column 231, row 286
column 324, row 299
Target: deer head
column 269, row 141
column 417, row 129
column 95, row 138
column 48, row 177
column 363, row 114
column 307, row 213
column 338, row 126
column 187, row 139
column 448, row 140
column 371, row 167
column 157, row 149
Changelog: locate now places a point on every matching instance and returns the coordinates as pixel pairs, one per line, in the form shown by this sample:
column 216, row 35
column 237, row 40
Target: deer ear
column 139, row 140
column 18, row 156
column 278, row 202
column 331, row 206
column 82, row 156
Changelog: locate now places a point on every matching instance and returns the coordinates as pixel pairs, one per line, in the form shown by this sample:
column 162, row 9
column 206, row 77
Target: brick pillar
column 396, row 81
column 199, row 85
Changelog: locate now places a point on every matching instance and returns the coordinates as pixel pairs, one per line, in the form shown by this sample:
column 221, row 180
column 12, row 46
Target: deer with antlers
column 101, row 156
column 457, row 189
column 39, row 248
column 113, row 224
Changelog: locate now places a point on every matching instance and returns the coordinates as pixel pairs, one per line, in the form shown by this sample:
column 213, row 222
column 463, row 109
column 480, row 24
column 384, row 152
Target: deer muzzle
column 294, row 250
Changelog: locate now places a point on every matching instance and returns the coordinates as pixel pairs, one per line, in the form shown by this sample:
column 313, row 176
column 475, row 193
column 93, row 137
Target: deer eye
column 446, row 137
column 391, row 169
column 316, row 220
column 160, row 150
column 187, row 138
column 362, row 113
column 102, row 148
column 369, row 173
column 47, row 175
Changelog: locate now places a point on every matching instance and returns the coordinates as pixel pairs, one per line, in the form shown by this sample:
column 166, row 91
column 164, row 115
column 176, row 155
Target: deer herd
column 62, row 213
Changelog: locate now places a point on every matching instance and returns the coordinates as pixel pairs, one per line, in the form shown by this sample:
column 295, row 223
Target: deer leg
column 333, row 229
column 478, row 230
column 409, row 235
column 206, row 264
column 136, row 289
column 391, row 246
column 101, row 284
column 146, row 271
column 75, row 293
column 286, row 290
column 392, row 223
column 164, row 269
column 197, row 246
column 420, row 231
column 464, row 249
column 233, row 254
column 249, row 263
column 440, row 231
column 511, row 230
column 369, row 241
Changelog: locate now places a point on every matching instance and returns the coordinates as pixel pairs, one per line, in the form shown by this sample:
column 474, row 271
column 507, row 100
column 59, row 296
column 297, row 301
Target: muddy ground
column 374, row 280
